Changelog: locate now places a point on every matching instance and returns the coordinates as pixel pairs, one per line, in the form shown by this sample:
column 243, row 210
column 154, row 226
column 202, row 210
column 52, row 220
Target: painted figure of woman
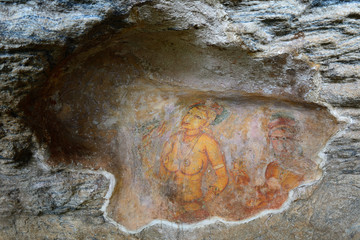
column 287, row 170
column 185, row 158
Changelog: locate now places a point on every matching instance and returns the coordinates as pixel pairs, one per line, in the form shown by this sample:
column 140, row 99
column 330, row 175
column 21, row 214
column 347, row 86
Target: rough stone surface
column 41, row 202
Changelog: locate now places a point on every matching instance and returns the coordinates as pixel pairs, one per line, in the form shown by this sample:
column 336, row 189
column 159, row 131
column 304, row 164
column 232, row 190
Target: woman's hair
column 282, row 121
column 214, row 112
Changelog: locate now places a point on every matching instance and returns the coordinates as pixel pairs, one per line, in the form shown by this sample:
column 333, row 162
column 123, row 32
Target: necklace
column 186, row 149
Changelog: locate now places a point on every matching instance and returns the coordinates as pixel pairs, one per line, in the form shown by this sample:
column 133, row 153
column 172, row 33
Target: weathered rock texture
column 65, row 202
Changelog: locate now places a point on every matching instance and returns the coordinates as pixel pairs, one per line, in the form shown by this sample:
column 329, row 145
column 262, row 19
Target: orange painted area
column 185, row 159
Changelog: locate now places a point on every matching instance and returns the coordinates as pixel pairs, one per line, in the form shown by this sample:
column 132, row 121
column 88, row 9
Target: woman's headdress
column 215, row 112
column 283, row 121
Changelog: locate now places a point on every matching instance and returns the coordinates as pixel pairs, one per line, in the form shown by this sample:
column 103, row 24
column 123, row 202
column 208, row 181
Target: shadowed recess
column 189, row 132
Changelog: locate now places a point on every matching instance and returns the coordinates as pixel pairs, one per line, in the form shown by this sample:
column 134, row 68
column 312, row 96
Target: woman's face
column 282, row 142
column 195, row 118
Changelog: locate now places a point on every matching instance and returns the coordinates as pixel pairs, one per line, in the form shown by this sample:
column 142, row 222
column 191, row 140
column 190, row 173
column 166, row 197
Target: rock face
column 61, row 62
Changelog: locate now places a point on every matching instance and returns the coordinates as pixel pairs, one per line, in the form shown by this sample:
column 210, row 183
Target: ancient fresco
column 187, row 159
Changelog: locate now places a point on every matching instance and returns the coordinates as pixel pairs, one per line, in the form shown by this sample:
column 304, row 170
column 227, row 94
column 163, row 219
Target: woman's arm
column 217, row 162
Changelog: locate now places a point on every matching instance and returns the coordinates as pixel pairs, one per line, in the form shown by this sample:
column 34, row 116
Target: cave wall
column 301, row 51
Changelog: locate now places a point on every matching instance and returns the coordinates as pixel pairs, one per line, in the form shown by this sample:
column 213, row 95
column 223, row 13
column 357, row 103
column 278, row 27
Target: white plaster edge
column 185, row 226
column 339, row 118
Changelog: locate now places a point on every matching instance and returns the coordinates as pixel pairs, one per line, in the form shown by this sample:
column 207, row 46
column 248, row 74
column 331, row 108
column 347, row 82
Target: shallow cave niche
column 189, row 132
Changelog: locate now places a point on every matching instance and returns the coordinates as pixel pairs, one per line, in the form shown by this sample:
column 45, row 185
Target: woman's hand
column 211, row 193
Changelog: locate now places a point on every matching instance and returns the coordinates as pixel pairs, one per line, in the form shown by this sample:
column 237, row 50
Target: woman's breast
column 171, row 164
column 193, row 164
